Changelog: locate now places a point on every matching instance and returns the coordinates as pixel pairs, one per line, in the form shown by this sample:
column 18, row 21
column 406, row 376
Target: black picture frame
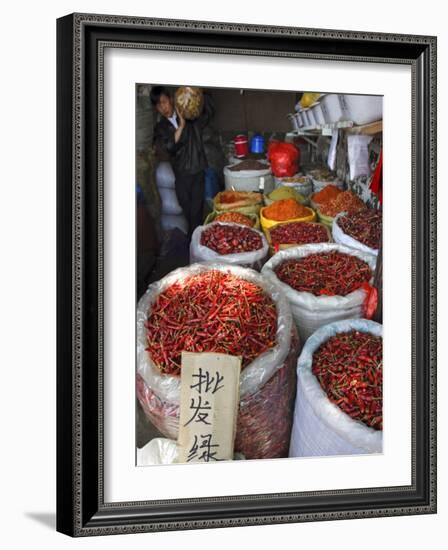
column 81, row 39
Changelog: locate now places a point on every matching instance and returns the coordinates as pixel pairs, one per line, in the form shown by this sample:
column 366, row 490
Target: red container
column 241, row 146
column 284, row 158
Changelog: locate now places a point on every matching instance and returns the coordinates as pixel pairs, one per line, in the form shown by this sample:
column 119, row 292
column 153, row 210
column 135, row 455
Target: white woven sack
column 165, row 176
column 172, row 222
column 255, row 375
column 342, row 238
column 311, row 312
column 201, row 253
column 321, row 428
column 170, row 204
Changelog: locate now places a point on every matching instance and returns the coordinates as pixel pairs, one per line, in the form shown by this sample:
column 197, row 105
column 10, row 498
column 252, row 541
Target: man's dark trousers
column 190, row 194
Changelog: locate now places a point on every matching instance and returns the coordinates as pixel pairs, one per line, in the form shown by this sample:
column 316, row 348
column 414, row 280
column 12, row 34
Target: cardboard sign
column 209, row 398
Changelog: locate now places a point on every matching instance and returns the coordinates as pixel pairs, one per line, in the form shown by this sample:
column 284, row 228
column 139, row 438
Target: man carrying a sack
column 181, row 139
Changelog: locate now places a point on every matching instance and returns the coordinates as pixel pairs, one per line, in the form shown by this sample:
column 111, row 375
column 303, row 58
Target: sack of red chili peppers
column 230, row 243
column 228, row 309
column 324, row 282
column 360, row 230
column 338, row 409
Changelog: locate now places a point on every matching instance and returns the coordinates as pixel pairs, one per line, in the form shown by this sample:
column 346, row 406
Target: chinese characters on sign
column 208, row 406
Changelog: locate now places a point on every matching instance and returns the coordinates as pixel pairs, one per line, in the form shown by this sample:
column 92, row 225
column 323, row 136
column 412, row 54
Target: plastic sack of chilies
column 320, row 427
column 342, row 238
column 189, row 101
column 201, row 253
column 309, row 311
column 267, row 384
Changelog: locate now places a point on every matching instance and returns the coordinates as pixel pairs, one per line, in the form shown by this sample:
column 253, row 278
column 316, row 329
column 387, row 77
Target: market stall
column 285, row 272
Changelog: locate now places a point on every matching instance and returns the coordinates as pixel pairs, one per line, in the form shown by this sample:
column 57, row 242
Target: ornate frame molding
column 75, row 515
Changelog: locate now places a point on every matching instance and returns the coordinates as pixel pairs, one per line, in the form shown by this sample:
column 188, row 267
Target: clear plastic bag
column 358, row 156
column 264, row 419
column 189, row 101
column 309, row 311
column 342, row 238
column 267, row 385
column 320, row 427
column 201, row 253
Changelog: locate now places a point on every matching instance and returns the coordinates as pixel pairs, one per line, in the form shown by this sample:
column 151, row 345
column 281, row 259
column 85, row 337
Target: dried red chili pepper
column 325, row 273
column 364, row 226
column 214, row 311
column 235, row 217
column 349, row 367
column 298, row 233
column 230, row 239
column 344, row 202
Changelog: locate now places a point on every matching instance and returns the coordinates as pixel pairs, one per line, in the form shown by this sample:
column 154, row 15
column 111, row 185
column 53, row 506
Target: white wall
column 27, row 218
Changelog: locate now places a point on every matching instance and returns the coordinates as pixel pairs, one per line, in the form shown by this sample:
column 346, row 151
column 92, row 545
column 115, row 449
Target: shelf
column 324, row 129
column 367, row 129
column 327, row 129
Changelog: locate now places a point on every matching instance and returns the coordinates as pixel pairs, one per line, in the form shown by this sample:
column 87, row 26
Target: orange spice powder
column 286, row 209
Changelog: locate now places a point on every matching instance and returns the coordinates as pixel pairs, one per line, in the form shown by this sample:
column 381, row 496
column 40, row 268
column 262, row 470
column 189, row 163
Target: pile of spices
column 249, row 164
column 282, row 193
column 234, row 217
column 298, row 233
column 364, row 226
column 349, row 367
column 230, row 197
column 344, row 202
column 230, row 239
column 286, row 209
column 214, row 311
column 326, row 194
column 325, row 273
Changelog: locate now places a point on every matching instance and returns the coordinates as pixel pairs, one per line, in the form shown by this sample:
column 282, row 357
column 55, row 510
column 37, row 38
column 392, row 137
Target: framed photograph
column 246, row 275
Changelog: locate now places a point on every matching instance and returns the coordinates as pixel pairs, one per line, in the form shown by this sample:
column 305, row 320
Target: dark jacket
column 187, row 155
